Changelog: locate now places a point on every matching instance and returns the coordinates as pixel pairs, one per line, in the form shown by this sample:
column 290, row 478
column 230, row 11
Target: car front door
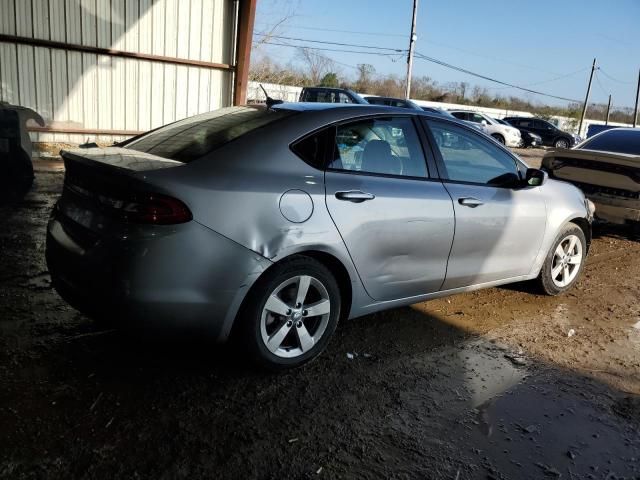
column 546, row 132
column 396, row 221
column 499, row 223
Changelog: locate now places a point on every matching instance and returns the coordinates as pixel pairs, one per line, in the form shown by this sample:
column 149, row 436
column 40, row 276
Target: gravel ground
column 488, row 384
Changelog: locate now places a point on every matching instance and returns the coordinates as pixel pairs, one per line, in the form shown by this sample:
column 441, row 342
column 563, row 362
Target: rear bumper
column 615, row 210
column 181, row 276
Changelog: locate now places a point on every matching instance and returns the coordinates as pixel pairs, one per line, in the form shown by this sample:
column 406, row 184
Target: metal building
column 107, row 69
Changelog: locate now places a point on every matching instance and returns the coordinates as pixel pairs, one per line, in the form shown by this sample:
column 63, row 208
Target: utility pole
column 412, row 43
column 635, row 110
column 586, row 98
column 608, row 111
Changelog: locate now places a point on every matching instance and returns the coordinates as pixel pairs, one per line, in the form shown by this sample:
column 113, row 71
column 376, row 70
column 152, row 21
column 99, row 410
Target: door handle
column 470, row 202
column 355, row 196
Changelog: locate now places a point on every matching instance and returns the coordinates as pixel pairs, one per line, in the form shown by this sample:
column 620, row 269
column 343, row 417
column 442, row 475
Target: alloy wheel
column 295, row 316
column 566, row 262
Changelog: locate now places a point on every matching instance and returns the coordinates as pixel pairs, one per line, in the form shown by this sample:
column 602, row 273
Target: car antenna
column 270, row 101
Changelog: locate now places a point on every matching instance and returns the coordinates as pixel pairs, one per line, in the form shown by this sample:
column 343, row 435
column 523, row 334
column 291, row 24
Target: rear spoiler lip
column 125, row 160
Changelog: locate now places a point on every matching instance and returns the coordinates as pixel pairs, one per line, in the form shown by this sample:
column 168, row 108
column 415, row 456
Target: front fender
column 565, row 203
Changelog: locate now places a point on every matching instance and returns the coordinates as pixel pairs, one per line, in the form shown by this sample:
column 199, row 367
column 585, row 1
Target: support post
column 635, row 110
column 246, row 19
column 412, row 43
column 586, row 98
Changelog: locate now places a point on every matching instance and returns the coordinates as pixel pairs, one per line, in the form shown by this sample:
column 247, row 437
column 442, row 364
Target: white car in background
column 503, row 134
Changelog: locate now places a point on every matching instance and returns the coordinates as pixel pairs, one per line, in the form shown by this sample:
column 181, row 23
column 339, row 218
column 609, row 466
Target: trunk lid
column 104, row 189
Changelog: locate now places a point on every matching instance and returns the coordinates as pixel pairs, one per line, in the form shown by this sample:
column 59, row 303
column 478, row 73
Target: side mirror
column 535, row 177
column 484, row 122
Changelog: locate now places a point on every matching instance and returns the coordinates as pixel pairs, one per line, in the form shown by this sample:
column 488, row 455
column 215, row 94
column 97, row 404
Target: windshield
column 616, row 141
column 189, row 139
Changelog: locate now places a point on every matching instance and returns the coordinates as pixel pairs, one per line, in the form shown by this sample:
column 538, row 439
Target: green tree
column 330, row 80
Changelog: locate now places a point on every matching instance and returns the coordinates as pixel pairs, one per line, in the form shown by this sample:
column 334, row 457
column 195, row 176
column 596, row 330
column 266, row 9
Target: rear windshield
column 617, row 141
column 189, row 139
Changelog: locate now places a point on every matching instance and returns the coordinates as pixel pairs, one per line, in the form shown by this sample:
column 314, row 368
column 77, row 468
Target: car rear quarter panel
column 236, row 191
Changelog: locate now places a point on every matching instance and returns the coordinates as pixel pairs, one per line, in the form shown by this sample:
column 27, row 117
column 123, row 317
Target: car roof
column 467, row 111
column 335, row 89
column 318, row 106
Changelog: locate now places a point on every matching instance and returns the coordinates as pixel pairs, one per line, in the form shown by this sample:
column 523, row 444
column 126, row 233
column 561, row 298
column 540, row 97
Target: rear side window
column 312, row 149
column 189, row 139
column 618, row 141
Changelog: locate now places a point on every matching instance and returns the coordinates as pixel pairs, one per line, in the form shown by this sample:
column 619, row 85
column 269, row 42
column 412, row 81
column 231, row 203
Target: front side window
column 459, row 115
column 542, row 125
column 469, row 158
column 344, row 98
column 388, row 146
column 477, row 118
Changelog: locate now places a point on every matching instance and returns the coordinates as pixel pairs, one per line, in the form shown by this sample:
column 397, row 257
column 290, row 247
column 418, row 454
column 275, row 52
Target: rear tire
column 561, row 143
column 290, row 314
column 565, row 261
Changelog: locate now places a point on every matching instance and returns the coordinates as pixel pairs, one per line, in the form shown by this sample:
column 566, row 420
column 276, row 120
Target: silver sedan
column 272, row 224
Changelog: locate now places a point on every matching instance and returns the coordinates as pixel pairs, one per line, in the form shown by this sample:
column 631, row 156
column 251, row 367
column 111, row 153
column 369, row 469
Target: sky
column 546, row 45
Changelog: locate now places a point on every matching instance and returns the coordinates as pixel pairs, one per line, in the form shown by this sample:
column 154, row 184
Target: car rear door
column 499, row 227
column 397, row 222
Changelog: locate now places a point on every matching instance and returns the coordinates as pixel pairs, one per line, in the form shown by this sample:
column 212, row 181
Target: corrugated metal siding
column 84, row 90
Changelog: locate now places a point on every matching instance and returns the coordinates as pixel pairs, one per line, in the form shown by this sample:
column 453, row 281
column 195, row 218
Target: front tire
column 290, row 314
column 564, row 262
column 498, row 138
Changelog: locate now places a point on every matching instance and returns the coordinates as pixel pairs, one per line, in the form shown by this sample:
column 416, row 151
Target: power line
column 281, row 37
column 484, row 77
column 356, row 32
column 418, row 55
column 491, row 57
column 614, row 79
column 546, row 81
column 604, row 92
column 380, row 54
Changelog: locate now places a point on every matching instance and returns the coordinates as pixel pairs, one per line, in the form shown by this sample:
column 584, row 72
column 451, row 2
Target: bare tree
column 317, row 65
column 275, row 26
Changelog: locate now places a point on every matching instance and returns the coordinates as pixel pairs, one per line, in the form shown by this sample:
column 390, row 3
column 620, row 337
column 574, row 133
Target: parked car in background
column 392, row 102
column 594, row 129
column 551, row 135
column 529, row 139
column 504, row 134
column 438, row 111
column 274, row 223
column 330, row 95
column 607, row 169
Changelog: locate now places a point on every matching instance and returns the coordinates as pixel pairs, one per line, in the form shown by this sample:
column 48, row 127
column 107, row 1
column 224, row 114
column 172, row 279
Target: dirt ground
column 496, row 384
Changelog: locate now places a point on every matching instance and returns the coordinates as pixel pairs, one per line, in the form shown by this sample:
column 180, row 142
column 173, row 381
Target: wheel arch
column 585, row 226
column 331, row 262
column 339, row 271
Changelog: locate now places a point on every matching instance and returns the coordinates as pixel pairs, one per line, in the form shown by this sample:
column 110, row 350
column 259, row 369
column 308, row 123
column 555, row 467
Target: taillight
column 149, row 208
column 155, row 209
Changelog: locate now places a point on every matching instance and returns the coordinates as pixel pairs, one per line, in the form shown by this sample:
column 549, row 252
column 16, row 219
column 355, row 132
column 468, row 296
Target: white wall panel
column 7, row 19
column 8, row 73
column 78, row 90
